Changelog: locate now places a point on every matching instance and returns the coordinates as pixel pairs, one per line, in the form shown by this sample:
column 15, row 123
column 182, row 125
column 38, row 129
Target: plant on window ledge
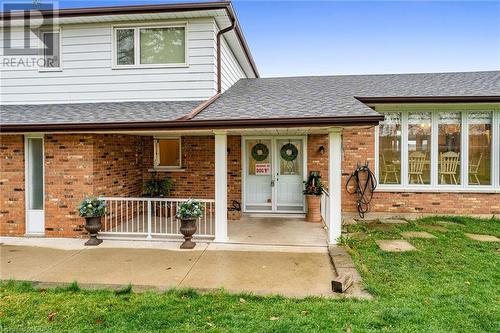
column 188, row 212
column 313, row 191
column 92, row 209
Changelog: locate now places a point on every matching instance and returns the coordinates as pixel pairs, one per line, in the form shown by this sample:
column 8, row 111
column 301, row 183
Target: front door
column 273, row 174
column 34, row 157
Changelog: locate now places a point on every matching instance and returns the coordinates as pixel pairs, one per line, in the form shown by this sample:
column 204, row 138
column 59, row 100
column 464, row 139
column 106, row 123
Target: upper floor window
column 51, row 50
column 150, row 46
column 439, row 149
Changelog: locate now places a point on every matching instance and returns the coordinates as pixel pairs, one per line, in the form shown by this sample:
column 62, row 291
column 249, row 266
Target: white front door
column 34, row 157
column 273, row 174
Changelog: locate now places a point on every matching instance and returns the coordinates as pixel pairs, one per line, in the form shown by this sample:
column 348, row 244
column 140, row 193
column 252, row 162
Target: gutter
column 198, row 124
column 430, row 99
column 208, row 102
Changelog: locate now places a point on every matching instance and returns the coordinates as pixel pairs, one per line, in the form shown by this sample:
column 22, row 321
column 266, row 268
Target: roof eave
column 371, row 120
column 429, row 99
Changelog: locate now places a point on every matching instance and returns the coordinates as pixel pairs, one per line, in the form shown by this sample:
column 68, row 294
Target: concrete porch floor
column 276, row 231
column 210, row 266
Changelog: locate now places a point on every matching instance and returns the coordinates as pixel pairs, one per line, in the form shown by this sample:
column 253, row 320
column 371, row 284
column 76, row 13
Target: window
column 390, row 149
column 51, row 50
column 419, row 147
column 125, row 47
column 480, row 136
column 439, row 149
column 150, row 46
column 168, row 153
column 449, row 147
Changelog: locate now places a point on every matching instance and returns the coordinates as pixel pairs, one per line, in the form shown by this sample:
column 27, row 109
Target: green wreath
column 260, row 152
column 289, row 152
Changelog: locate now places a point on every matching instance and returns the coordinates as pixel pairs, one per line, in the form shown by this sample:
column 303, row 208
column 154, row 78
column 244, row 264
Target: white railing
column 152, row 217
column 325, row 208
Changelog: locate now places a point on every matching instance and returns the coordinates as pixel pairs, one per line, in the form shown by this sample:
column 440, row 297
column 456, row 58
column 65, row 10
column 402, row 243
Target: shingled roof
column 337, row 96
column 94, row 112
column 323, row 100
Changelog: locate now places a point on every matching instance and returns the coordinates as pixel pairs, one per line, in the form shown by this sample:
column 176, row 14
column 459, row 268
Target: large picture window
column 439, row 149
column 150, row 46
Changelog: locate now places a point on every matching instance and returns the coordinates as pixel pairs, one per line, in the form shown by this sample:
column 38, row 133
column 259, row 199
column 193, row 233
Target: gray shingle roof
column 332, row 96
column 95, row 112
column 264, row 98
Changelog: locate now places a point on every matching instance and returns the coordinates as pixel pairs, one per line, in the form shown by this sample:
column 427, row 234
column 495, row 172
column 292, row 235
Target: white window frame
column 41, row 47
column 137, row 45
column 434, row 186
column 156, row 150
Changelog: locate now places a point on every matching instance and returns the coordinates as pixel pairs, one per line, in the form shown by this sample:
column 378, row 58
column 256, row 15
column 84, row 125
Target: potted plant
column 158, row 188
column 92, row 209
column 313, row 191
column 188, row 212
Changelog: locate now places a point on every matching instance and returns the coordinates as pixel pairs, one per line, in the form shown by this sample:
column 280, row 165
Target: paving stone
column 395, row 245
column 380, row 227
column 417, row 234
column 483, row 238
column 448, row 224
column 434, row 228
column 356, row 235
column 393, row 221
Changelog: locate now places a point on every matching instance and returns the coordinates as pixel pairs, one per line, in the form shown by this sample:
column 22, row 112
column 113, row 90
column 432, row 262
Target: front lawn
column 450, row 284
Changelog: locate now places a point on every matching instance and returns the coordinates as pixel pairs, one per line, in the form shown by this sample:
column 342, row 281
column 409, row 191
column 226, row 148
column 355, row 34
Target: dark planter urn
column 188, row 228
column 93, row 225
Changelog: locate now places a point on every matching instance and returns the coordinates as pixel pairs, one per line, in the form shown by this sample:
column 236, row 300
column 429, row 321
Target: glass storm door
column 35, row 216
column 289, row 175
column 274, row 174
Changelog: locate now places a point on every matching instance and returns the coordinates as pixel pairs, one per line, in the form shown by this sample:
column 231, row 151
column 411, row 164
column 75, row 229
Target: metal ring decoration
column 289, row 152
column 260, row 152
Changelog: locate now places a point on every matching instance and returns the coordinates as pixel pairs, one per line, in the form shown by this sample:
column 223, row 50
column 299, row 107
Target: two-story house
column 117, row 94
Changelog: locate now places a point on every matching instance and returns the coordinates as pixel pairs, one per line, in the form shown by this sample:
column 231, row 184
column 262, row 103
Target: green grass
column 451, row 284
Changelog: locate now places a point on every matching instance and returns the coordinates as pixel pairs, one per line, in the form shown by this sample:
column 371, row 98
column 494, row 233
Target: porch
column 219, row 168
column 154, row 219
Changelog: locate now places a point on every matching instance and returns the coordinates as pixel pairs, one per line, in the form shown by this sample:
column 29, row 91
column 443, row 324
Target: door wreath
column 289, row 152
column 260, row 152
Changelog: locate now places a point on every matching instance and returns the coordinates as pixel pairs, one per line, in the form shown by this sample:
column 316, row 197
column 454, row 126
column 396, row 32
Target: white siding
column 87, row 74
column 231, row 69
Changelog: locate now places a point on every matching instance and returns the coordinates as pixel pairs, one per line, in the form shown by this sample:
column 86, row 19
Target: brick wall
column 12, row 210
column 77, row 165
column 315, row 160
column 118, row 164
column 359, row 145
column 197, row 180
column 68, row 179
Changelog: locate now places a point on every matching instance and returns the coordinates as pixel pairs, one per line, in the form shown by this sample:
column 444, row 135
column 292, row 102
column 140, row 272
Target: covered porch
column 226, row 164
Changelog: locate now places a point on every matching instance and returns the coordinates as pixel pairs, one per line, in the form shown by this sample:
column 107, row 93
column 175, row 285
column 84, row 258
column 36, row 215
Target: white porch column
column 335, row 184
column 220, row 186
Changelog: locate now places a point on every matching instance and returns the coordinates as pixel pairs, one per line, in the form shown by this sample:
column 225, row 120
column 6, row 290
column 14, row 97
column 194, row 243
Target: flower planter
column 313, row 208
column 93, row 225
column 188, row 228
column 233, row 215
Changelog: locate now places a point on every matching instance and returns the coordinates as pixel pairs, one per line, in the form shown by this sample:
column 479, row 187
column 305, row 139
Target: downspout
column 212, row 99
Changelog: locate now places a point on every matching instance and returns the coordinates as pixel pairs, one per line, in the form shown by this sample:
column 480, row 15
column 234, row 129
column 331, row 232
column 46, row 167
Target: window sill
column 422, row 189
column 49, row 70
column 160, row 169
column 152, row 66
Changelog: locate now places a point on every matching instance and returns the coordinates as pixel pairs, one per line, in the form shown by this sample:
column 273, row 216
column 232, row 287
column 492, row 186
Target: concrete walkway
column 289, row 271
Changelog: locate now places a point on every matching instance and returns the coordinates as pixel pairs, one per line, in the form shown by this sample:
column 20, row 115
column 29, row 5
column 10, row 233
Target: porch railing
column 152, row 217
column 325, row 208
